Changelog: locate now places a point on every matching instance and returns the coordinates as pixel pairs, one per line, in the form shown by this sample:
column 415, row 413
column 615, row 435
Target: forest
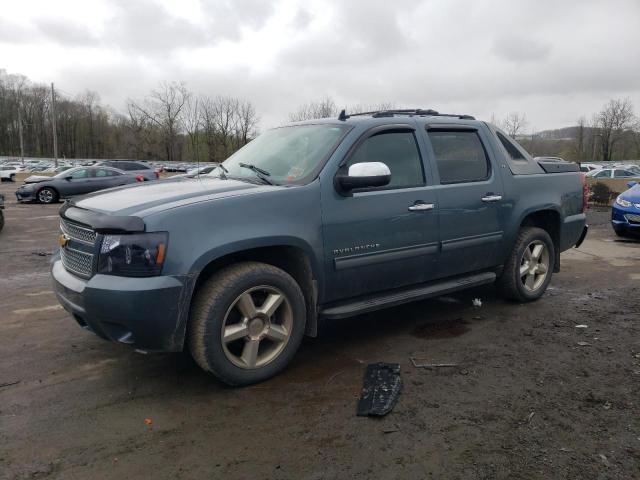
column 172, row 123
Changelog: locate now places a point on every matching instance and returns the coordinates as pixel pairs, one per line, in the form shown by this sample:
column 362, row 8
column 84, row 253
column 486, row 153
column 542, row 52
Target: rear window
column 511, row 149
column 460, row 156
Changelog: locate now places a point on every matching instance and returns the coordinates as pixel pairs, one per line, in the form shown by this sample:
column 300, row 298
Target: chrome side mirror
column 364, row 175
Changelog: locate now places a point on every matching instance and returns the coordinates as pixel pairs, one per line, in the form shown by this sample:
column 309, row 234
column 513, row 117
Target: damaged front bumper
column 147, row 313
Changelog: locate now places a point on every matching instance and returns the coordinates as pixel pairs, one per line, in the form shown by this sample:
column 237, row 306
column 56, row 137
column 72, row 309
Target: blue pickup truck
column 320, row 219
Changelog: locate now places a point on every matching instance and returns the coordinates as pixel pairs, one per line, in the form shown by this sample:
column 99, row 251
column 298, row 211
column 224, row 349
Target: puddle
column 445, row 329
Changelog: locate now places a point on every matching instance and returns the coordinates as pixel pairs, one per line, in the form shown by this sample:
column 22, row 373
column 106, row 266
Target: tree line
column 170, row 123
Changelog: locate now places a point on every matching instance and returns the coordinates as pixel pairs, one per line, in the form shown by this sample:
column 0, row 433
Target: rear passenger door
column 469, row 199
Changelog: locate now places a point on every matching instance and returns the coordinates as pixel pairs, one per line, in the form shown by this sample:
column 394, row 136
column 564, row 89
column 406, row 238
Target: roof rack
column 419, row 112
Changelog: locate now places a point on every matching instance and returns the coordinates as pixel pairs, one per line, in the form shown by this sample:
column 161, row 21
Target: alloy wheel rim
column 45, row 196
column 257, row 327
column 534, row 265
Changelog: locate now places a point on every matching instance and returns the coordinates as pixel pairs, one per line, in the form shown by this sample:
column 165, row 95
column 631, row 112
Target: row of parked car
column 86, row 179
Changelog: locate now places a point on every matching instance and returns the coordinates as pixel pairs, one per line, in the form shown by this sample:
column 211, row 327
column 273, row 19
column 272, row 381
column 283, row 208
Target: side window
column 460, row 156
column 132, row 166
column 511, row 149
column 602, row 174
column 621, row 173
column 81, row 173
column 102, row 172
column 397, row 150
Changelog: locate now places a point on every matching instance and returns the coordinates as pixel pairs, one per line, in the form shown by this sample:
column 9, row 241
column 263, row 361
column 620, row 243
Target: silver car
column 75, row 181
column 129, row 166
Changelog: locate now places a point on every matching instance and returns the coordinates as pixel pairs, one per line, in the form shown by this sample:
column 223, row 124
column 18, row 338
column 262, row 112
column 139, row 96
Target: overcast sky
column 552, row 60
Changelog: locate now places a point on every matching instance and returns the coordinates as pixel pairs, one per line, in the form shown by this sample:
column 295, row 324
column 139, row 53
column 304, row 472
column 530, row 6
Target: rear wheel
column 12, row 177
column 47, row 195
column 247, row 323
column 528, row 270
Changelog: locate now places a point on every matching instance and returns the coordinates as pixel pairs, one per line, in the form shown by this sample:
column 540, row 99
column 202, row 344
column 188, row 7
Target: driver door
column 385, row 237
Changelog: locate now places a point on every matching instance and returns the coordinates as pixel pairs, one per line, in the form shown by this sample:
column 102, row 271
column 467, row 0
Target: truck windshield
column 288, row 154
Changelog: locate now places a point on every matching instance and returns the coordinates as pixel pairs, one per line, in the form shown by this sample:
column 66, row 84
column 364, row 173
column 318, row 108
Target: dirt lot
column 526, row 401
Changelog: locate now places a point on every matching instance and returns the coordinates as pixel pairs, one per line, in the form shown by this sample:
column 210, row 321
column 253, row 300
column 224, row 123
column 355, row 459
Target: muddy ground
column 526, row 401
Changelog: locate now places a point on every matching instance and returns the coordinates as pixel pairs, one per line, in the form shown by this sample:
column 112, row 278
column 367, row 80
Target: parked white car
column 589, row 167
column 612, row 173
column 8, row 173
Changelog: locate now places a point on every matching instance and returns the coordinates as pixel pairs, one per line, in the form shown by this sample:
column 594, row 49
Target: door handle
column 421, row 206
column 492, row 198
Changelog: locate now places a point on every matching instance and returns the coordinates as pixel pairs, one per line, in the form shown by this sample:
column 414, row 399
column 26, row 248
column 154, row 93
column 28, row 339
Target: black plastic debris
column 381, row 387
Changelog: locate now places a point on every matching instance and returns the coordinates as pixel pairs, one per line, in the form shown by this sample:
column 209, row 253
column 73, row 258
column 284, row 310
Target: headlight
column 133, row 255
column 622, row 202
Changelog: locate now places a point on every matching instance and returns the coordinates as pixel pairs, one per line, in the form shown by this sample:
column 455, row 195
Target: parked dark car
column 75, row 181
column 327, row 218
column 137, row 168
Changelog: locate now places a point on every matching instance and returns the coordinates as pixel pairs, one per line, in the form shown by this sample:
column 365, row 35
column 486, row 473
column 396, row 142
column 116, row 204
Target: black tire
column 47, row 195
column 511, row 283
column 1, row 220
column 12, row 177
column 213, row 303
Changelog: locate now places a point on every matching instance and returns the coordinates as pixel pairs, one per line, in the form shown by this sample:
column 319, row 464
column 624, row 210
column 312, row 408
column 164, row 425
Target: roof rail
column 419, row 112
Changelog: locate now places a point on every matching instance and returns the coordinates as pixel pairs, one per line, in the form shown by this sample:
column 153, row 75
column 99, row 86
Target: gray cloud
column 64, row 32
column 518, row 48
column 552, row 60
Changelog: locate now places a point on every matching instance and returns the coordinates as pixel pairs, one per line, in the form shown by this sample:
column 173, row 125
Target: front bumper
column 625, row 219
column 148, row 313
column 25, row 195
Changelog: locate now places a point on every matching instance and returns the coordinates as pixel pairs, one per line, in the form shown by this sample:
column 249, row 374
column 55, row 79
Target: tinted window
column 622, row 173
column 102, row 172
column 134, row 166
column 397, row 150
column 603, row 173
column 511, row 149
column 80, row 173
column 460, row 156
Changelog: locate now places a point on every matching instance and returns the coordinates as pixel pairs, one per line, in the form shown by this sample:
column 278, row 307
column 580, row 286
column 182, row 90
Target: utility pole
column 20, row 130
column 53, row 122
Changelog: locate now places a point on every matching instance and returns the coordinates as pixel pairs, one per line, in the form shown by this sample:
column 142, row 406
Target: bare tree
column 611, row 122
column 247, row 122
column 323, row 108
column 225, row 113
column 191, row 121
column 514, row 123
column 581, row 141
column 163, row 107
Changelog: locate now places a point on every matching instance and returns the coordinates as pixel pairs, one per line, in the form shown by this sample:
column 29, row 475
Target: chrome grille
column 81, row 234
column 77, row 262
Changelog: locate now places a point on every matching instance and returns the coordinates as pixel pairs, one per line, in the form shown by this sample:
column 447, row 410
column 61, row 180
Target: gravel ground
column 532, row 397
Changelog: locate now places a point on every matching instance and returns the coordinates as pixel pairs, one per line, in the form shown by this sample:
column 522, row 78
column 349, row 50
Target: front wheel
column 528, row 270
column 247, row 323
column 47, row 195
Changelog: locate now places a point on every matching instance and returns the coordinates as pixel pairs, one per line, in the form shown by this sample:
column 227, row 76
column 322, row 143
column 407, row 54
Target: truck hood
column 144, row 198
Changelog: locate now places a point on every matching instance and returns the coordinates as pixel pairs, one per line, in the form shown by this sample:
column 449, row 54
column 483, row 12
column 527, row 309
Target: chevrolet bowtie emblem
column 63, row 240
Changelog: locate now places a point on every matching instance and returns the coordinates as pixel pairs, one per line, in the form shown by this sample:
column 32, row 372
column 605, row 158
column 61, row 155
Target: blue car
column 625, row 214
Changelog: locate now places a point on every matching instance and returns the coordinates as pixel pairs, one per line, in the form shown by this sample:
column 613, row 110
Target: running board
column 390, row 299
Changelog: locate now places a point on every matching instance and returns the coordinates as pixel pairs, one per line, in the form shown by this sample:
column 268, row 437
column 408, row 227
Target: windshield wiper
column 261, row 173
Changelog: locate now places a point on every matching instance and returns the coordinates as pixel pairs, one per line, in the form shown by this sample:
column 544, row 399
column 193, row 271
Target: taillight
column 139, row 178
column 585, row 193
column 157, row 172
